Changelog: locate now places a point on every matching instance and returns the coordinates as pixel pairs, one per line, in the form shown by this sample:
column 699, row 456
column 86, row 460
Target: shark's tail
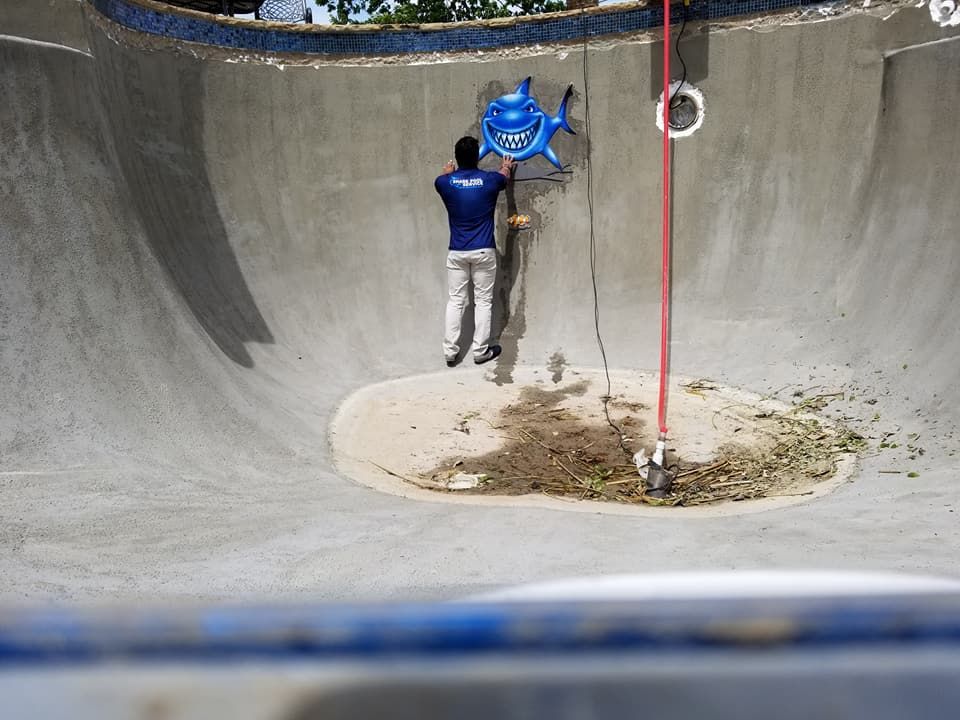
column 562, row 111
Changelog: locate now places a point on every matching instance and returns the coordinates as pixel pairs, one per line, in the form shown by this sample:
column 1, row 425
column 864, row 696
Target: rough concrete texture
column 201, row 259
column 55, row 21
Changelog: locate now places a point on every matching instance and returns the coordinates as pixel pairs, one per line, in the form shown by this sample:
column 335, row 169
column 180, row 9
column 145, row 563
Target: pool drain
column 945, row 13
column 686, row 110
column 683, row 113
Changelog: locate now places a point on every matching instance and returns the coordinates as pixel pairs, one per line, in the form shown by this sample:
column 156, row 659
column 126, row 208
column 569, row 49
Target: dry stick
column 700, row 384
column 704, row 470
column 582, row 463
column 492, row 426
column 657, row 502
column 541, row 444
column 621, row 482
column 791, row 443
column 732, row 482
column 388, row 472
column 568, row 471
column 776, row 392
column 690, row 479
column 712, row 498
column 555, row 452
column 405, row 479
column 572, row 457
column 839, row 394
column 813, row 404
column 713, row 419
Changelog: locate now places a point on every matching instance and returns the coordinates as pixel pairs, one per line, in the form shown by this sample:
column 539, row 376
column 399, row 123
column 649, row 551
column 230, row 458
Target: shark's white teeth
column 515, row 141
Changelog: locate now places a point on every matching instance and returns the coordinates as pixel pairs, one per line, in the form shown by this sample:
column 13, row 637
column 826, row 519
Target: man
column 470, row 196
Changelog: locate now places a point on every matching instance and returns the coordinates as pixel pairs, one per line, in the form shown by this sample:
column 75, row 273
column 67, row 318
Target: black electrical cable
column 593, row 240
column 683, row 26
column 549, row 176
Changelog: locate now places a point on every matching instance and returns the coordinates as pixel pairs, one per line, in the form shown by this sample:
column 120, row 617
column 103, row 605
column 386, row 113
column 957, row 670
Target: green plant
column 431, row 11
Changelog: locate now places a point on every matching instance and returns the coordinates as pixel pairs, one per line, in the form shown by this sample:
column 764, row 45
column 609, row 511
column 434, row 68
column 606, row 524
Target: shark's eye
column 528, row 108
column 495, row 111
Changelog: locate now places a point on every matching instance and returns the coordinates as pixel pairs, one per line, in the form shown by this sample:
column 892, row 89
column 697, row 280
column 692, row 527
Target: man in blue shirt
column 470, row 196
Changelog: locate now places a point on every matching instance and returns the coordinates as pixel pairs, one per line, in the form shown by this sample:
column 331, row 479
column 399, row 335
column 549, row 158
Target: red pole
column 665, row 284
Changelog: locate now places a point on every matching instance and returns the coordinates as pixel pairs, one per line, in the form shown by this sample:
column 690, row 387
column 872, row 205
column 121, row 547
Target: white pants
column 480, row 266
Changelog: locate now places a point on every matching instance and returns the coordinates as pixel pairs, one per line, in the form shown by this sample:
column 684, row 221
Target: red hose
column 665, row 284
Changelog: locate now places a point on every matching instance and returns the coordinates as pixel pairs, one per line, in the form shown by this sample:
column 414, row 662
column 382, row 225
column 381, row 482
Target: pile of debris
column 551, row 451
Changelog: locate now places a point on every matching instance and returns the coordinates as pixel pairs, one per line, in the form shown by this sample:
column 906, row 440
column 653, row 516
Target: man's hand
column 449, row 167
column 507, row 165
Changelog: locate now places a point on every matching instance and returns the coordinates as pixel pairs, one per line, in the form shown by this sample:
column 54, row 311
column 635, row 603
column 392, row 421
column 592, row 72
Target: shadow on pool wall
column 157, row 121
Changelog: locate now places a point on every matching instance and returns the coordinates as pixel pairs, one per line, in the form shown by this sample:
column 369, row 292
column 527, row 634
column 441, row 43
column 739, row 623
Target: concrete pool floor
column 190, row 292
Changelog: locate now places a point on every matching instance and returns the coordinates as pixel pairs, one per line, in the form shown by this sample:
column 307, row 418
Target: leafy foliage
column 428, row 11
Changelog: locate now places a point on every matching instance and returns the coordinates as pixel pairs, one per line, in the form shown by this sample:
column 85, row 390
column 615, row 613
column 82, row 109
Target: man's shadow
column 509, row 325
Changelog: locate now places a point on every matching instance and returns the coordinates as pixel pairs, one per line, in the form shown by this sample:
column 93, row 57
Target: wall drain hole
column 683, row 113
column 686, row 110
column 945, row 13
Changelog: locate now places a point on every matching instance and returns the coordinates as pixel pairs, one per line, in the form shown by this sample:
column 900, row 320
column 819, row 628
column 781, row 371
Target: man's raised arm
column 507, row 166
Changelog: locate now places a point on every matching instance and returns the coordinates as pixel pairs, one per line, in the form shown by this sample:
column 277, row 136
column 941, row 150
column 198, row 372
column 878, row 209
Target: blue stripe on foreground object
column 433, row 630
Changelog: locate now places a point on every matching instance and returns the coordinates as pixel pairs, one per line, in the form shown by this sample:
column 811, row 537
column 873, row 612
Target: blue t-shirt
column 471, row 198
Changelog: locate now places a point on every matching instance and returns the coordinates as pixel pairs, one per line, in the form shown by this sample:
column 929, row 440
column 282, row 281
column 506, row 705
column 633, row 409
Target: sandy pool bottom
column 547, row 441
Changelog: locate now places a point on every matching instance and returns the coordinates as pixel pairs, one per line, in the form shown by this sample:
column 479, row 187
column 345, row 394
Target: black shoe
column 451, row 362
column 492, row 352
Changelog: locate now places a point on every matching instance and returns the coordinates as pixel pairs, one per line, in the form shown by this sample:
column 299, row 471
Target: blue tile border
column 398, row 41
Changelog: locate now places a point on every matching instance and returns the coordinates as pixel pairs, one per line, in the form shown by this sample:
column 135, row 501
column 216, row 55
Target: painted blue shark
column 515, row 125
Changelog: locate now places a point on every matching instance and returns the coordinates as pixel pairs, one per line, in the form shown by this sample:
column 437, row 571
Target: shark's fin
column 562, row 113
column 550, row 155
column 484, row 149
column 523, row 88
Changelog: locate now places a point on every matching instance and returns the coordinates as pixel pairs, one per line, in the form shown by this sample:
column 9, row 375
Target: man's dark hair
column 467, row 151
